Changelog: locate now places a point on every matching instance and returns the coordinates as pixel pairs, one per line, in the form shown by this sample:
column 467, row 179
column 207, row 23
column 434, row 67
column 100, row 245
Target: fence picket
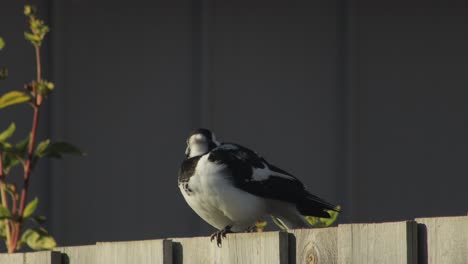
column 317, row 245
column 258, row 248
column 443, row 240
column 393, row 243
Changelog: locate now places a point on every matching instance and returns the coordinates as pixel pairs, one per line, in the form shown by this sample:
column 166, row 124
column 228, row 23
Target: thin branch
column 5, row 204
column 28, row 167
column 38, row 62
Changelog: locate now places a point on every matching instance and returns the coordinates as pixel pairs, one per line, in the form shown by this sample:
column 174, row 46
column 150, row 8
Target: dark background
column 365, row 101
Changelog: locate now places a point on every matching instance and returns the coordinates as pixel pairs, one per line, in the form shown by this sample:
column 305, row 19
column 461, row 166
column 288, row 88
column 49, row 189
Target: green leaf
column 30, row 208
column 2, row 229
column 45, row 87
column 41, row 149
column 13, row 155
column 4, row 212
column 22, row 147
column 11, row 190
column 333, row 216
column 37, row 27
column 3, row 73
column 40, row 219
column 38, row 239
column 10, row 161
column 29, row 10
column 57, row 149
column 8, row 132
column 6, row 147
column 2, row 43
column 12, row 98
column 324, row 222
column 34, row 39
column 260, row 225
column 64, row 147
column 54, row 150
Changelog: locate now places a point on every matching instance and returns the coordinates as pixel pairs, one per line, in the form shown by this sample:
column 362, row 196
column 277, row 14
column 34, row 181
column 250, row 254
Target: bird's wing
column 253, row 174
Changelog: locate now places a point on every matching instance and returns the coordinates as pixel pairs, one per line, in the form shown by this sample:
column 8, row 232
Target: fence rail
column 424, row 240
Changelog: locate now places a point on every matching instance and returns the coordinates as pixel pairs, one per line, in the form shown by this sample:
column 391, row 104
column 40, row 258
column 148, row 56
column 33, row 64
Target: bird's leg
column 251, row 229
column 259, row 226
column 219, row 235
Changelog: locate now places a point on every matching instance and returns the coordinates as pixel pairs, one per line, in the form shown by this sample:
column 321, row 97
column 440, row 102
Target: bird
column 231, row 187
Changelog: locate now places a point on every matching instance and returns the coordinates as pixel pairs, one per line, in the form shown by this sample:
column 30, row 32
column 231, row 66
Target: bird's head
column 200, row 142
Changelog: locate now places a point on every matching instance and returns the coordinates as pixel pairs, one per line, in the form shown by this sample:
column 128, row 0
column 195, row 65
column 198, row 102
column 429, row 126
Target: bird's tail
column 290, row 222
column 290, row 216
column 286, row 215
column 312, row 205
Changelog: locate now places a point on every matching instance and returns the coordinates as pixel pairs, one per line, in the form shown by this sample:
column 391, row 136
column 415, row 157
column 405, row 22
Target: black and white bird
column 231, row 187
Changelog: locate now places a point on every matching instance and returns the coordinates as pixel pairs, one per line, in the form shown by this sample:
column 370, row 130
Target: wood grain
column 16, row 258
column 78, row 254
column 142, row 252
column 313, row 246
column 392, row 243
column 250, row 248
column 443, row 240
column 42, row 257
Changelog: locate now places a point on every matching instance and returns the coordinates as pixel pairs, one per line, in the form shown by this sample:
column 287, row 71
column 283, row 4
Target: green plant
column 312, row 220
column 324, row 222
column 15, row 213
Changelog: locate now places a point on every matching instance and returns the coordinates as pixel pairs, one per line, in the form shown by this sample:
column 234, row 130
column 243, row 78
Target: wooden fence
column 424, row 240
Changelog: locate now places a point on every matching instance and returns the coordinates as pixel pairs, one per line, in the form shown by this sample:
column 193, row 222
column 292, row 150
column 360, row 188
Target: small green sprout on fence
column 324, row 222
column 19, row 225
column 312, row 220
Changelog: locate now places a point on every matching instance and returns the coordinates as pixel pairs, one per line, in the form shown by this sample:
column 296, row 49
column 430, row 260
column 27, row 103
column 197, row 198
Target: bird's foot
column 219, row 235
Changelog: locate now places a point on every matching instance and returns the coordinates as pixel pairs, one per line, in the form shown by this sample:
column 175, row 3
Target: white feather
column 260, row 174
column 218, row 202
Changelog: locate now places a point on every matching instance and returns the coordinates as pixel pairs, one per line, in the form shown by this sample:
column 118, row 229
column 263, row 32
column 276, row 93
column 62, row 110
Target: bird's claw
column 219, row 235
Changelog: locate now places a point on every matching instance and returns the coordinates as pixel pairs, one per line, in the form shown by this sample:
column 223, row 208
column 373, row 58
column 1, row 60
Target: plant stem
column 5, row 204
column 38, row 62
column 27, row 170
column 27, row 173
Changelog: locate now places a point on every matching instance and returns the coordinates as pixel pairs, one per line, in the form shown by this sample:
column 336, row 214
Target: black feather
column 241, row 163
column 187, row 169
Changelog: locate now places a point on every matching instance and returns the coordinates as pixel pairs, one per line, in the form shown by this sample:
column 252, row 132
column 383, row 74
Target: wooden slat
column 392, row 243
column 17, row 258
column 254, row 248
column 78, row 254
column 443, row 240
column 195, row 249
column 317, row 245
column 42, row 257
column 142, row 252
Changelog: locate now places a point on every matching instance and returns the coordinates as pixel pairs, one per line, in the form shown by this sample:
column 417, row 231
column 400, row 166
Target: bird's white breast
column 214, row 197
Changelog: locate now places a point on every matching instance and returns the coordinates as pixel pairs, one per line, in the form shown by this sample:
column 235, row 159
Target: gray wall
column 362, row 101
